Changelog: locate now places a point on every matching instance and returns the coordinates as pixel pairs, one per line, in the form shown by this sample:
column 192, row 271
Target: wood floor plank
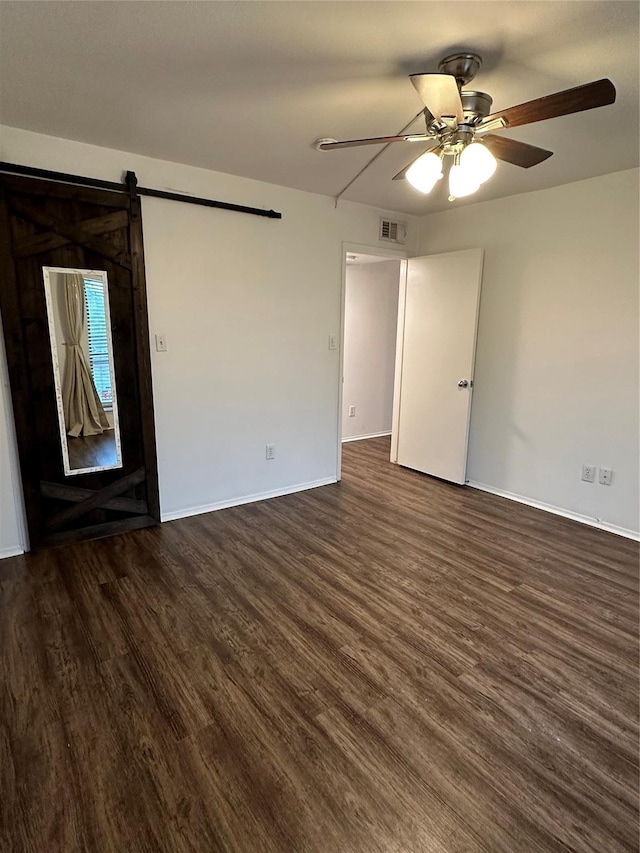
column 391, row 664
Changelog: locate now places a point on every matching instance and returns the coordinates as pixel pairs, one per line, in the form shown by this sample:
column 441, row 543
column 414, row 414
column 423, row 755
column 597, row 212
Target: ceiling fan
column 459, row 125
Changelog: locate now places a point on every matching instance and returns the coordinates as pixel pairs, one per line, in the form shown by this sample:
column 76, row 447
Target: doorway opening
column 409, row 339
column 371, row 288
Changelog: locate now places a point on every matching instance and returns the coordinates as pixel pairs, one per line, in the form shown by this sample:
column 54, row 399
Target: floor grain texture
column 388, row 665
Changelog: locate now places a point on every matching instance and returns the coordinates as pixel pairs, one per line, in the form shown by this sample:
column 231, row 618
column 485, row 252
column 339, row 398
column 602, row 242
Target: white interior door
column 436, row 351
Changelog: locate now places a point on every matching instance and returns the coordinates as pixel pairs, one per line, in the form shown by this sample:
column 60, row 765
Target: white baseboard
column 362, row 437
column 13, row 551
column 565, row 513
column 248, row 499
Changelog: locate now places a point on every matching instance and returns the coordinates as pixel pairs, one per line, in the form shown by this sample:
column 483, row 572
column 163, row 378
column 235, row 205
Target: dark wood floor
column 388, row 665
column 93, row 451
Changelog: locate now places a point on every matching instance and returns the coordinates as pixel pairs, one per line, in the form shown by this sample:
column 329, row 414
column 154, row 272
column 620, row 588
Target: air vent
column 393, row 232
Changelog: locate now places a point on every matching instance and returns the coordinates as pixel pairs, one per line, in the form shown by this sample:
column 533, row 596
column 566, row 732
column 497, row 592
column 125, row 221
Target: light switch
column 161, row 343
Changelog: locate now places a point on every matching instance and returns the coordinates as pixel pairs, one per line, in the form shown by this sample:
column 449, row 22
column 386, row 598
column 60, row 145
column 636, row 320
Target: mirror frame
column 64, row 438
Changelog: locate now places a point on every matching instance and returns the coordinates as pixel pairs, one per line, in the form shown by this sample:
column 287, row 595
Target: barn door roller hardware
column 30, row 172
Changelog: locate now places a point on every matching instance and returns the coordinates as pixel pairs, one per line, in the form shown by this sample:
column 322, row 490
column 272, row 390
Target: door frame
column 382, row 252
column 397, row 376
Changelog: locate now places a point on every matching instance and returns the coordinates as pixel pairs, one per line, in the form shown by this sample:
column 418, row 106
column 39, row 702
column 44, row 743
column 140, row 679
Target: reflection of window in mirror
column 98, row 341
column 82, row 356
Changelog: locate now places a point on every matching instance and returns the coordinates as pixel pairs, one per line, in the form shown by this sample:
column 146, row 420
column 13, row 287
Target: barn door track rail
column 62, row 177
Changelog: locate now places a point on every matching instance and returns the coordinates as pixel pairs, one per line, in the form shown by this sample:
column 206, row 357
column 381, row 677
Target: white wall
column 370, row 321
column 557, row 360
column 248, row 361
column 247, row 335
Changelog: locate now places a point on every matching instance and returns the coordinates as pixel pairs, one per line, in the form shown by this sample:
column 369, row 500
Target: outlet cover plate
column 606, row 475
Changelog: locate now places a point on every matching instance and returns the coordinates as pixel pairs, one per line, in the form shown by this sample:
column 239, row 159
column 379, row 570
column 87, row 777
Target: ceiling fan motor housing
column 476, row 105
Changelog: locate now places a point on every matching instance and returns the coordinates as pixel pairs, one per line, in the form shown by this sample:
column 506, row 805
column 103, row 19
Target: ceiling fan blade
column 376, row 140
column 585, row 97
column 402, row 174
column 512, row 151
column 439, row 93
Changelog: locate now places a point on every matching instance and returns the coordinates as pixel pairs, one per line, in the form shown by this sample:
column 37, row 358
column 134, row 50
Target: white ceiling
column 247, row 87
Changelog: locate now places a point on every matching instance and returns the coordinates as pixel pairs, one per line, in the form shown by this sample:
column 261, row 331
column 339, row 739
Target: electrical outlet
column 589, row 473
column 270, row 451
column 605, row 476
column 352, row 411
column 161, row 343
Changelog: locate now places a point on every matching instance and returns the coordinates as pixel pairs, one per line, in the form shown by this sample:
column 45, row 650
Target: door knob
column 463, row 383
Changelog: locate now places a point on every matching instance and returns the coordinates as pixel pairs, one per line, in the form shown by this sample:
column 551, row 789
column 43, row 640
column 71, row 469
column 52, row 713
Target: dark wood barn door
column 45, row 224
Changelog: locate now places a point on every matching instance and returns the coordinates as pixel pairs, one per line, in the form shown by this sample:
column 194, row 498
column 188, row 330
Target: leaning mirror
column 82, row 357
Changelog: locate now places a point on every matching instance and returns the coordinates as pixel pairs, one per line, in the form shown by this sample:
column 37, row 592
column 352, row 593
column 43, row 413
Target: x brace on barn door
column 62, row 177
column 93, row 500
column 82, row 233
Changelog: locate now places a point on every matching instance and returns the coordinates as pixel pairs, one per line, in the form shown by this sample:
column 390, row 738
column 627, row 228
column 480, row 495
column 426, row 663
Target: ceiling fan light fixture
column 479, row 161
column 425, row 172
column 456, row 118
column 462, row 181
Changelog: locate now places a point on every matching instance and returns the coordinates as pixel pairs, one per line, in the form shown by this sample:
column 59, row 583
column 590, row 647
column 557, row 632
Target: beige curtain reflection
column 83, row 411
